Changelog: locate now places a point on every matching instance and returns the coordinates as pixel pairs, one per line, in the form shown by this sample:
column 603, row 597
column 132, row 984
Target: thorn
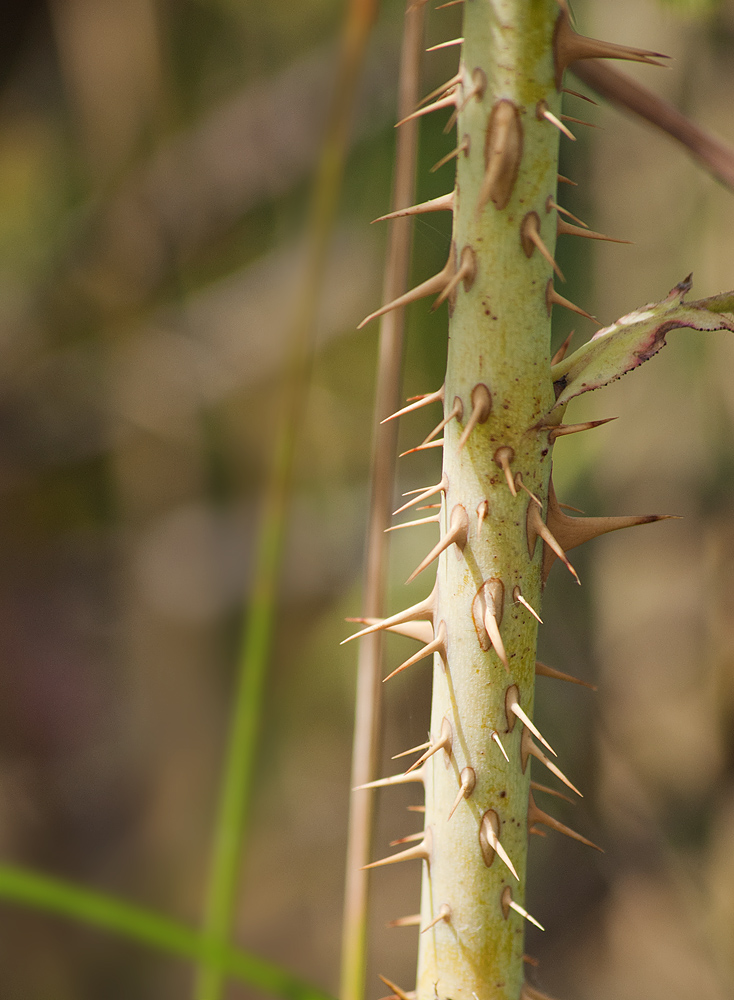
column 466, row 273
column 443, row 102
column 508, row 904
column 423, row 610
column 481, row 407
column 566, row 180
column 565, row 506
column 421, row 852
column 457, row 534
column 424, row 494
column 482, row 513
column 536, row 815
column 442, row 743
column 437, row 645
column 529, row 992
column 536, row 526
column 530, row 239
column 468, row 780
column 564, row 228
column 406, row 753
column 445, row 203
column 543, row 670
column 542, row 111
column 568, row 46
column 394, row 779
column 414, row 920
column 443, row 914
column 421, row 631
column 529, row 960
column 443, row 89
column 492, row 619
column 553, row 298
column 446, row 45
column 433, row 519
column 502, row 457
column 502, row 155
column 430, row 287
column 521, row 484
column 578, row 121
column 416, row 809
column 496, row 737
column 537, row 787
column 561, row 352
column 419, row 402
column 489, row 841
column 400, row 994
column 573, row 531
column 537, row 832
column 411, row 838
column 550, row 204
column 438, row 443
column 518, row 598
column 512, row 704
column 527, row 747
column 563, row 429
column 463, row 147
column 575, row 93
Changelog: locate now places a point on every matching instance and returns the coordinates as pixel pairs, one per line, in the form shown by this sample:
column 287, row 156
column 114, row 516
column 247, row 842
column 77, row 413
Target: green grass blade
column 65, row 899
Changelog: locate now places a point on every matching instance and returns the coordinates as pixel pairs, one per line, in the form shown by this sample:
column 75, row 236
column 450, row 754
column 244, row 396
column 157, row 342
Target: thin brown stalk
column 382, row 474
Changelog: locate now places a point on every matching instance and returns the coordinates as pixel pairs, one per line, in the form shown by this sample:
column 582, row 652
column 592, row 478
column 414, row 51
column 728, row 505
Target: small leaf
column 633, row 339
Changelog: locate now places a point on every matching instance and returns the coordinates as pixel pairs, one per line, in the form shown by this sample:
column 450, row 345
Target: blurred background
column 155, row 162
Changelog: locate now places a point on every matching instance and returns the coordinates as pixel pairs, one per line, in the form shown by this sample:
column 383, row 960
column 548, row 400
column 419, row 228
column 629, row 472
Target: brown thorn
column 463, row 147
column 421, row 631
column 446, row 45
column 529, row 992
column 444, row 742
column 416, row 809
column 410, row 839
column 405, row 753
column 529, row 960
column 420, row 401
column 443, row 89
column 527, row 748
column 445, row 203
column 521, row 484
column 553, row 298
column 400, row 994
column 537, row 787
column 564, row 228
column 567, row 180
column 438, row 443
column 457, row 534
column 512, row 707
column 468, row 780
column 561, row 352
column 437, row 645
column 466, row 274
column 413, row 920
column 443, row 102
column 564, row 506
column 394, row 779
column 492, row 625
column 536, row 526
column 424, row 494
column 543, row 670
column 503, row 457
column 575, row 93
column 433, row 519
column 502, row 154
column 429, row 287
column 422, row 611
column 569, row 46
column 519, row 599
column 542, row 111
column 496, row 737
column 507, row 903
column 530, row 239
column 481, row 407
column 443, row 914
column 578, row 121
column 420, row 852
column 482, row 513
column 563, row 429
column 536, row 815
column 489, row 841
column 550, row 204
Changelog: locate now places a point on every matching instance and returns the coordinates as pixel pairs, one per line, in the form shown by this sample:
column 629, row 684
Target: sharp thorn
column 536, row 815
column 400, row 994
column 561, row 352
column 489, row 841
column 433, row 519
column 443, row 89
column 544, row 112
column 518, row 598
column 577, row 121
column 575, row 93
column 420, row 401
column 543, row 670
column 438, row 443
column 446, row 45
column 549, row 204
column 442, row 743
column 420, row 852
column 564, row 228
column 537, row 787
column 496, row 737
column 443, row 914
column 430, row 287
column 466, row 274
column 529, row 724
column 421, row 631
column 457, row 411
column 482, row 513
column 463, row 147
column 410, row 839
column 457, row 534
column 445, row 203
column 481, row 403
column 394, row 779
column 529, row 748
column 468, row 779
column 530, row 239
column 413, row 920
column 524, row 913
column 406, row 753
column 521, row 484
column 553, row 298
column 437, row 645
column 563, row 429
column 443, row 102
column 503, row 457
column 493, row 631
column 423, row 495
column 536, row 526
column 422, row 611
column 567, row 180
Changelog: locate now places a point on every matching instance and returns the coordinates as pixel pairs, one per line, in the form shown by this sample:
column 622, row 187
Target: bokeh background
column 155, row 162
